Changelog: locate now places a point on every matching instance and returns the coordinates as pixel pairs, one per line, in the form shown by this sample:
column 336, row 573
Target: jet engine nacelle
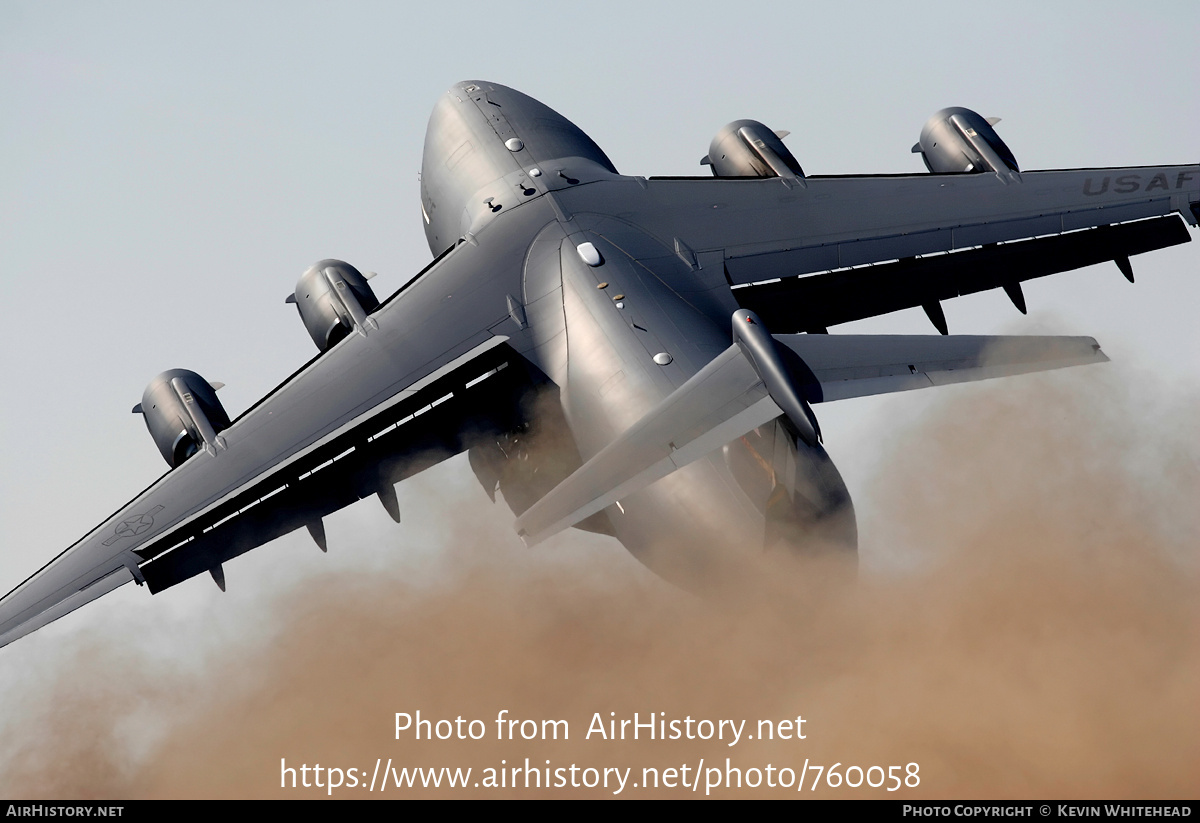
column 334, row 299
column 183, row 415
column 957, row 140
column 747, row 148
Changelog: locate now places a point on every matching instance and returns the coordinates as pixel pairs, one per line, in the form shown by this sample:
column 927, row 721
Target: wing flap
column 818, row 301
column 852, row 221
column 766, row 229
column 745, row 269
column 432, row 419
column 441, row 419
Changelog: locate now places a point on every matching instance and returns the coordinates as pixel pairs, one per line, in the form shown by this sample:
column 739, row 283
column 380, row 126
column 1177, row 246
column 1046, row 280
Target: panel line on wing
column 818, row 301
column 352, row 474
column 477, row 351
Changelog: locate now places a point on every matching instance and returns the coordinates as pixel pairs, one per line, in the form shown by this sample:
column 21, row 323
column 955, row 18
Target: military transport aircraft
column 637, row 357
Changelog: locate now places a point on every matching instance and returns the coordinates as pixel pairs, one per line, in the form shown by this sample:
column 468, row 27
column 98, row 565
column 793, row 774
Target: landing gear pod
column 334, row 299
column 957, row 140
column 183, row 415
column 747, row 148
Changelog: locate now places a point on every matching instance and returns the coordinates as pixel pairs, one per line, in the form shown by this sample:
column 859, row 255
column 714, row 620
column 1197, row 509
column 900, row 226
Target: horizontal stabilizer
column 854, row 365
column 727, row 398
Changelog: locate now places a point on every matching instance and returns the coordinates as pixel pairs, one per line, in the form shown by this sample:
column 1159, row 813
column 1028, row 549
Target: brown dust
column 1026, row 625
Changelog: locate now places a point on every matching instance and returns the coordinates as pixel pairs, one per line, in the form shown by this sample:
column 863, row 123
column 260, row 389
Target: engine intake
column 183, row 415
column 747, row 148
column 334, row 299
column 957, row 141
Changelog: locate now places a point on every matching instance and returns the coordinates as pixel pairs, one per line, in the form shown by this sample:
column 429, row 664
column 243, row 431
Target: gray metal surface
column 333, row 299
column 610, row 297
column 741, row 390
column 958, row 140
column 747, row 148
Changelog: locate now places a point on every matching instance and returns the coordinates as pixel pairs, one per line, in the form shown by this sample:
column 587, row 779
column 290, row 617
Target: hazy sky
column 168, row 170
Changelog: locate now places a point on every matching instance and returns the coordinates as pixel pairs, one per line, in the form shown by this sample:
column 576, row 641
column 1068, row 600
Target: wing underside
column 809, row 254
column 817, row 301
column 477, row 395
column 440, row 420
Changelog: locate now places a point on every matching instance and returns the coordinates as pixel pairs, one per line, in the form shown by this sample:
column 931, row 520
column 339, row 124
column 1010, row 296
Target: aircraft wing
column 733, row 395
column 808, row 253
column 375, row 408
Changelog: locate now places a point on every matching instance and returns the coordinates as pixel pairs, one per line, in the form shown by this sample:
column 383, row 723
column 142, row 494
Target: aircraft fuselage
column 618, row 319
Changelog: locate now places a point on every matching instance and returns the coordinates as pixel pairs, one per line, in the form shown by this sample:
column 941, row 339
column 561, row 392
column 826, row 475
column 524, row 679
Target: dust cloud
column 1025, row 624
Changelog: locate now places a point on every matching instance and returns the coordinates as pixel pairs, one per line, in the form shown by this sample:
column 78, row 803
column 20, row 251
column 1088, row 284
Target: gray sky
column 169, row 170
